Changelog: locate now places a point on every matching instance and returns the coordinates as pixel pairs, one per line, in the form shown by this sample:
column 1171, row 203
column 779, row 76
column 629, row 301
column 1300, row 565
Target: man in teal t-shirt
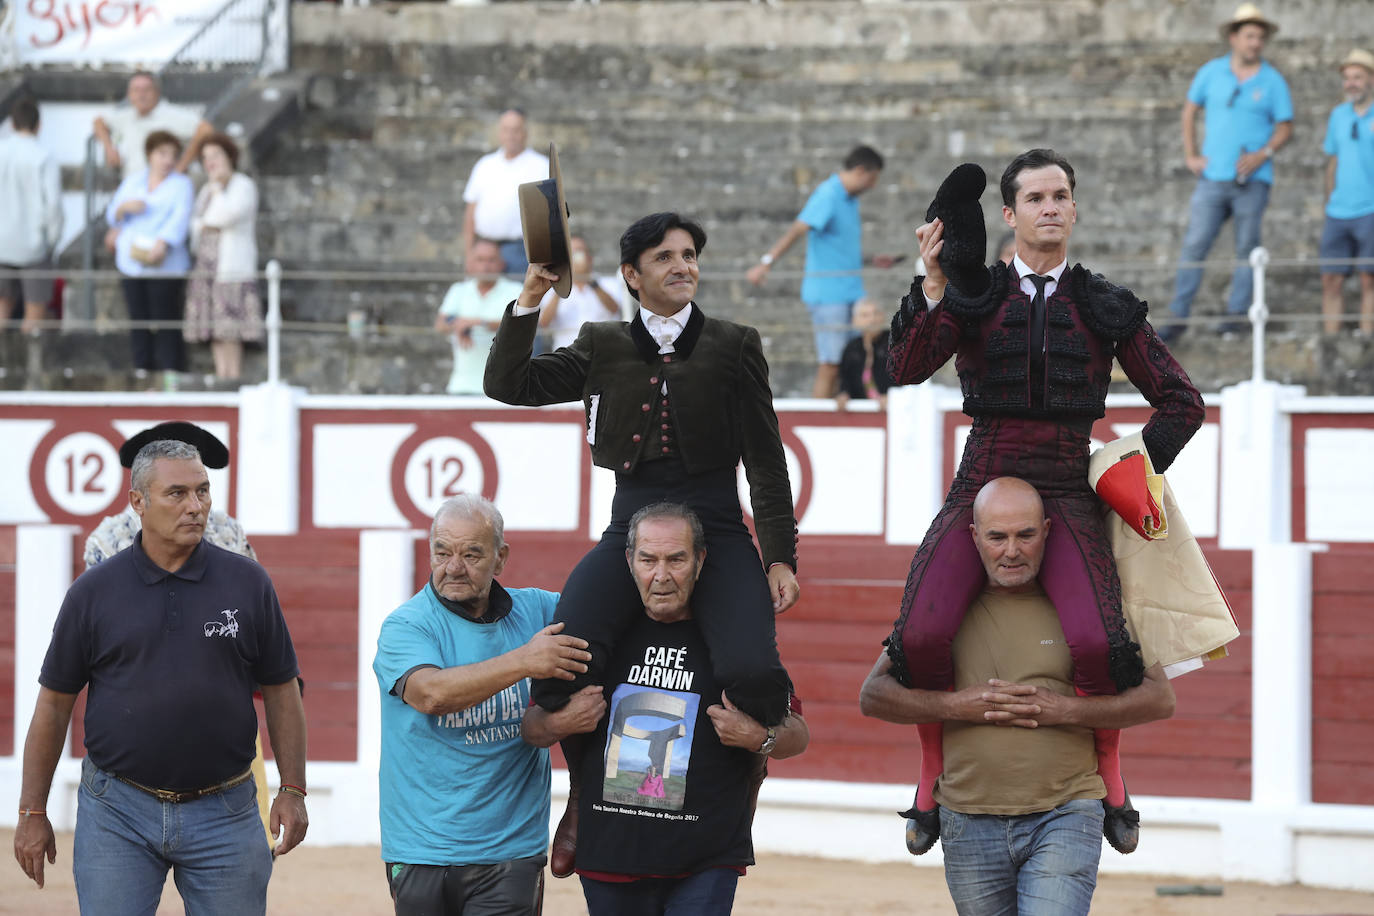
column 464, row 801
column 1248, row 116
column 834, row 257
column 1348, row 232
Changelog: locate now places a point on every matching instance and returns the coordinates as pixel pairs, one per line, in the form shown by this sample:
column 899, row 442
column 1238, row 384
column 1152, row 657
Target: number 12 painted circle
column 83, row 474
column 441, row 468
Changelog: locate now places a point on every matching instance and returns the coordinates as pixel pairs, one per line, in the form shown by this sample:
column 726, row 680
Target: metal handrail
column 274, row 276
column 246, row 67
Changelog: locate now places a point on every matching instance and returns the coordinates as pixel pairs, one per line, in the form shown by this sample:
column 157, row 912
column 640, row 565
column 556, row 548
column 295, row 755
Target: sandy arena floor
column 344, row 881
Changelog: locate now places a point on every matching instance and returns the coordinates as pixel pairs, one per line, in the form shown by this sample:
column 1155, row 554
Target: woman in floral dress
column 223, row 305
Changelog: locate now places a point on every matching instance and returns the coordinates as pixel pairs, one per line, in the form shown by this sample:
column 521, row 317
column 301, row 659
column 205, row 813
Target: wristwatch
column 766, row 259
column 767, row 746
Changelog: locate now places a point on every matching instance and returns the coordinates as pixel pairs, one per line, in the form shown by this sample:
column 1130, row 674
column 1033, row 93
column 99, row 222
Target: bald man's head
column 1009, row 529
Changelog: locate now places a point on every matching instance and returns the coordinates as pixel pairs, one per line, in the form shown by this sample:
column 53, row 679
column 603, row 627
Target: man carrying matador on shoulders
column 1033, row 344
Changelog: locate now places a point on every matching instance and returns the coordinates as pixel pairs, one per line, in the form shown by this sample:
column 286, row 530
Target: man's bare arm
column 738, row 729
column 286, row 731
column 882, row 697
column 202, row 133
column 437, row 691
column 33, row 836
column 759, row 272
column 102, row 133
column 1196, row 163
column 469, row 228
column 581, row 715
column 1031, row 707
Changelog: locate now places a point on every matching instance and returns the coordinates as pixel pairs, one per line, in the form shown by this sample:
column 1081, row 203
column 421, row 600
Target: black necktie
column 1035, row 335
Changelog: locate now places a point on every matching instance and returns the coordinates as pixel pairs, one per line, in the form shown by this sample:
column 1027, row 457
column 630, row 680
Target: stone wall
column 733, row 112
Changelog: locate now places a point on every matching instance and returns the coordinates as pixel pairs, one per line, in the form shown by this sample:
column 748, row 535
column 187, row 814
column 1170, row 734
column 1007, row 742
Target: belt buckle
column 167, row 795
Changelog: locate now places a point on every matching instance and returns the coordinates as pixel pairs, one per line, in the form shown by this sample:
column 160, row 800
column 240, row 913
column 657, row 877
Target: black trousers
column 731, row 602
column 511, row 888
column 156, row 299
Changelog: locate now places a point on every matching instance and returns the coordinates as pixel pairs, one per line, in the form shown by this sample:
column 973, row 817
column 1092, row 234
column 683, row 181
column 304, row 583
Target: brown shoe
column 563, row 852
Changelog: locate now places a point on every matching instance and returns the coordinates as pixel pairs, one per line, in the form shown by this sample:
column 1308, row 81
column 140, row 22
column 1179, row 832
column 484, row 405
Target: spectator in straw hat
column 1349, row 229
column 1248, row 116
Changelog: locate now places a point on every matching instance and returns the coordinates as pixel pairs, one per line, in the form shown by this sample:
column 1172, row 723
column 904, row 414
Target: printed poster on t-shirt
column 649, row 746
column 139, row 32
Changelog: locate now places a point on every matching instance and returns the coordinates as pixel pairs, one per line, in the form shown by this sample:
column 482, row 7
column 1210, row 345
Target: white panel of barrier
column 540, row 482
column 846, row 479
column 1340, row 490
column 352, row 475
column 21, row 438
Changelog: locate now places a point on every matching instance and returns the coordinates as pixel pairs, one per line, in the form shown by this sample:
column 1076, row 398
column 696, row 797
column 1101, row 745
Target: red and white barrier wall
column 1260, row 775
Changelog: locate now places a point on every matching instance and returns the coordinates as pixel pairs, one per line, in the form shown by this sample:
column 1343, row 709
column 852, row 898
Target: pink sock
column 932, row 735
column 1108, row 743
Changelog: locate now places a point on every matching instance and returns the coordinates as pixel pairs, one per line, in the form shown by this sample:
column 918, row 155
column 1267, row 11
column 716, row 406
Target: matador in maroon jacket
column 1033, row 345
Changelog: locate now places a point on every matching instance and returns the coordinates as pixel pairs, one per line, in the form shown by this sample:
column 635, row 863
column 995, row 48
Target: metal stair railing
column 227, row 50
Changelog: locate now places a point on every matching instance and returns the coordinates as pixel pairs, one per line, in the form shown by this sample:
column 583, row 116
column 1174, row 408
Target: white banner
column 93, row 32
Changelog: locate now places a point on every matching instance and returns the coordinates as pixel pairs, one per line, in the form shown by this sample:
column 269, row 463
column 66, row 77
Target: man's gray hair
column 472, row 507
column 668, row 512
column 142, row 470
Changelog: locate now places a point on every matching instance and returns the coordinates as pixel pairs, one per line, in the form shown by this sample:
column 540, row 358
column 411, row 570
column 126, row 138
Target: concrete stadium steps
column 738, row 134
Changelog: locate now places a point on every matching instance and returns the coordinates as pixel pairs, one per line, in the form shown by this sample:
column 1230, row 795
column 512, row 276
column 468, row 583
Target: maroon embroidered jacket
column 1088, row 322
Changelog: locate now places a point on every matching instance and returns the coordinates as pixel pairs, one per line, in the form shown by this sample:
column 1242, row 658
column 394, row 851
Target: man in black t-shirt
column 669, row 774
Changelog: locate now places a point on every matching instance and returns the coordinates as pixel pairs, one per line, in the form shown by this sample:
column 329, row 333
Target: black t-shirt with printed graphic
column 660, row 794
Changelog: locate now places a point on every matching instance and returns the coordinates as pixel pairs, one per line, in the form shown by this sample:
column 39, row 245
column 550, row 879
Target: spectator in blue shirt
column 834, row 256
column 152, row 212
column 1248, row 116
column 1349, row 229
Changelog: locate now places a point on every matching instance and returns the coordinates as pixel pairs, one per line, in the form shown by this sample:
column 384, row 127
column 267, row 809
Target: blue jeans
column 513, row 253
column 710, row 892
column 830, row 324
column 1213, row 203
column 126, row 840
column 1032, row 865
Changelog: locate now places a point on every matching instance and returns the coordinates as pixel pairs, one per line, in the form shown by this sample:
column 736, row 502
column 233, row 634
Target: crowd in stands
column 188, row 259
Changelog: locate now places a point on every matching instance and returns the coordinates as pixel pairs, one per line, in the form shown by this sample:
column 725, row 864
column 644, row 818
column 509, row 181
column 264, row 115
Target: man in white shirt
column 593, row 298
column 31, row 187
column 492, row 194
column 471, row 312
column 123, row 131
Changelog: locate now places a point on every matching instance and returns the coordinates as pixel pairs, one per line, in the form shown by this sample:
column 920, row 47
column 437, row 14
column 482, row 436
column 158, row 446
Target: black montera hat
column 213, row 453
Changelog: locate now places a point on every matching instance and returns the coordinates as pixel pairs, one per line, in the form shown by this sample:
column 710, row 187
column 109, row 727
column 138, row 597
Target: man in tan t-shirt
column 1020, row 809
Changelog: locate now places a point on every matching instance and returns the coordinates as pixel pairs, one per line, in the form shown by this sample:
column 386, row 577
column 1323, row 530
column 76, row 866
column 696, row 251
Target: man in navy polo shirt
column 464, row 801
column 1349, row 229
column 171, row 636
column 1248, row 116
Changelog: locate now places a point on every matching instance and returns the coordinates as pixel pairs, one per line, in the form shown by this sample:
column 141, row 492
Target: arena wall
column 1273, row 763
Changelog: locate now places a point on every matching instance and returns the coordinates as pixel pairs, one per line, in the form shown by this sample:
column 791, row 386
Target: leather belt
column 176, row 798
